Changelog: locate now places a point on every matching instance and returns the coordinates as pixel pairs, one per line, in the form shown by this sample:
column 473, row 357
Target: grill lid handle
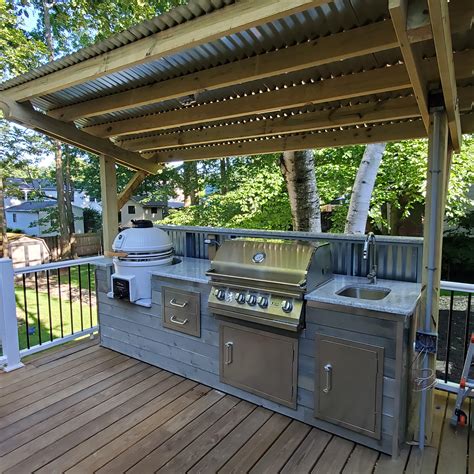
column 141, row 223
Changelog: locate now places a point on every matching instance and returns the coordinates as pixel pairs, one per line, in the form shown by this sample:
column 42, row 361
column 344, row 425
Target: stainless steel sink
column 364, row 292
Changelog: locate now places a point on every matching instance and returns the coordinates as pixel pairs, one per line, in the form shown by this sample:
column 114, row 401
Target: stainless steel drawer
column 181, row 311
column 180, row 299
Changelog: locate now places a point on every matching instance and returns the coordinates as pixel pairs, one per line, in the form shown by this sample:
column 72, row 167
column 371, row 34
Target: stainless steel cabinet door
column 260, row 362
column 348, row 386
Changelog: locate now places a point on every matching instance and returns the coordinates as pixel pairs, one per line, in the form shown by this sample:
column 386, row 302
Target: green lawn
column 75, row 277
column 70, row 313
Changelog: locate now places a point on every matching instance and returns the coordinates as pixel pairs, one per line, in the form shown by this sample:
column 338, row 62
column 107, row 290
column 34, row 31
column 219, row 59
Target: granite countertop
column 189, row 269
column 402, row 298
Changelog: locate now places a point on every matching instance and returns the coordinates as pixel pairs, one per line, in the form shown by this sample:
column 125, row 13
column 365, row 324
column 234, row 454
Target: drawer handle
column 328, row 370
column 229, row 349
column 178, row 305
column 175, row 320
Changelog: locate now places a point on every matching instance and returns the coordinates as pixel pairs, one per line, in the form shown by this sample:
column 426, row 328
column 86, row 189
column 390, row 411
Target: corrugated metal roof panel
column 321, row 21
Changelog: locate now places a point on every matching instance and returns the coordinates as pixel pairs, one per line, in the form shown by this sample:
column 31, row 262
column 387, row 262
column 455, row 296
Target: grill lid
column 264, row 262
column 143, row 240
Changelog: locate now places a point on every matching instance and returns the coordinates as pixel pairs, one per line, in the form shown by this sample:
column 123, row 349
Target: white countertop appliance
column 138, row 251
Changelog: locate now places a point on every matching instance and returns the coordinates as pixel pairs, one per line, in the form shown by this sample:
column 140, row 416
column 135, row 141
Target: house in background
column 36, row 189
column 32, row 218
column 152, row 210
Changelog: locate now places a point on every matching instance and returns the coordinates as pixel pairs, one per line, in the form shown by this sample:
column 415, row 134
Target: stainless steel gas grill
column 265, row 281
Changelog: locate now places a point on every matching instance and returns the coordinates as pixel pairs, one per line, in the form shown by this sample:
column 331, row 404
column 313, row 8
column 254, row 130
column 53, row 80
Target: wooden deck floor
column 86, row 409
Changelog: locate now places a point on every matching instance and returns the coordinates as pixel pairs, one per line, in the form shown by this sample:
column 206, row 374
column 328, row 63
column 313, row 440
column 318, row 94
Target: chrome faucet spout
column 370, row 251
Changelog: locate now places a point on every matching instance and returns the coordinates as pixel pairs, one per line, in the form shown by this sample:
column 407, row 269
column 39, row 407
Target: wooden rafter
column 398, row 13
column 382, row 133
column 348, row 44
column 130, row 188
column 241, row 15
column 345, row 87
column 390, row 109
column 439, row 15
column 25, row 115
column 380, row 80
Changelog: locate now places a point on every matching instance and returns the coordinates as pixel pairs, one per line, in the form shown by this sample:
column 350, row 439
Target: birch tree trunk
column 363, row 186
column 300, row 177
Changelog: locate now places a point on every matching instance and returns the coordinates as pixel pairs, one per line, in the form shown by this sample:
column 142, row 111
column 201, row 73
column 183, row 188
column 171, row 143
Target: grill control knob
column 220, row 294
column 240, row 298
column 286, row 306
column 262, row 301
column 252, row 300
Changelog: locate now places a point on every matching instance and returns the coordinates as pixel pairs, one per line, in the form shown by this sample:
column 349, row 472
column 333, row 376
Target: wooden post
column 436, row 188
column 108, row 186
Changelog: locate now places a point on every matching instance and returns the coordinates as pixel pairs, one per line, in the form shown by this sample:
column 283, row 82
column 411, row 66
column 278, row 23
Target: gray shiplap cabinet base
column 139, row 333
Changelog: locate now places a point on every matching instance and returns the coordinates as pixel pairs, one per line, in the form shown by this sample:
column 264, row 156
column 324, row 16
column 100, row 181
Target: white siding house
column 31, row 218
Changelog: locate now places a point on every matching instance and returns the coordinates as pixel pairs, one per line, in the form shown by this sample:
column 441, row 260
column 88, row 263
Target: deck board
column 84, row 409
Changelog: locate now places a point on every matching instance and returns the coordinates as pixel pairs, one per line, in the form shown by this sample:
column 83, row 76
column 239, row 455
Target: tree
column 358, row 212
column 298, row 171
column 20, row 151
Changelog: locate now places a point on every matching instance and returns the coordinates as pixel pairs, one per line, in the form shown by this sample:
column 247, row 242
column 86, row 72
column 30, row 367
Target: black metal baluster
column 448, row 339
column 60, row 303
column 26, row 312
column 70, row 299
column 38, row 317
column 80, row 296
column 467, row 335
column 49, row 307
column 90, row 290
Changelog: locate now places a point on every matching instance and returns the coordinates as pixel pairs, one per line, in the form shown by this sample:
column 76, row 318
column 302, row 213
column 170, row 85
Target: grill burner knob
column 262, row 302
column 220, row 294
column 286, row 306
column 240, row 298
column 251, row 300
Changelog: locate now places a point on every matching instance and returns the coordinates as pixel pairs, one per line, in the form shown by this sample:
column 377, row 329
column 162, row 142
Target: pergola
column 220, row 78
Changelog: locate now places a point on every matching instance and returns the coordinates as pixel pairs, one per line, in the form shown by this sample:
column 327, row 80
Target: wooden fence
column 85, row 245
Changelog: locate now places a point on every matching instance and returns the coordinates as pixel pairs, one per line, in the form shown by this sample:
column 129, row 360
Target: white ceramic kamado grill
column 138, row 251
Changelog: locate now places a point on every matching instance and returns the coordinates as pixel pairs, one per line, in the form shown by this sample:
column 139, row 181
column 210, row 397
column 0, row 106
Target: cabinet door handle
column 328, row 370
column 229, row 349
column 175, row 320
column 178, row 305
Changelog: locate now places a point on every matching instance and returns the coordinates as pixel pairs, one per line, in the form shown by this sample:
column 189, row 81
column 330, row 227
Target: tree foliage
column 256, row 198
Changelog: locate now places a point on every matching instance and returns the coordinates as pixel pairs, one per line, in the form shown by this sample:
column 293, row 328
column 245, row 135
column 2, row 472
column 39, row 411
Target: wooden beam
column 26, row 116
column 390, row 109
column 398, row 13
column 461, row 16
column 241, row 15
column 439, row 15
column 379, row 80
column 108, row 187
column 345, row 87
column 348, row 44
column 363, row 135
column 130, row 188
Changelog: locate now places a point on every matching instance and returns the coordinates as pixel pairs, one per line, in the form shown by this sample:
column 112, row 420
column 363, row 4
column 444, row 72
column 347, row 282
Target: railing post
column 8, row 321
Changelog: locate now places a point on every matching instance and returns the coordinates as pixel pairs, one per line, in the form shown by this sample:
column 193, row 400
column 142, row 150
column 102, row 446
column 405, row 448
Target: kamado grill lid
column 142, row 238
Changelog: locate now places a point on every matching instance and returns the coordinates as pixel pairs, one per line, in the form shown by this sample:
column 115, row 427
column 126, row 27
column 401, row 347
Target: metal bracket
column 436, row 100
column 426, row 342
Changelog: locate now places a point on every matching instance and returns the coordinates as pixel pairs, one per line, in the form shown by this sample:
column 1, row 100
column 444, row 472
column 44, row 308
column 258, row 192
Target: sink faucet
column 370, row 252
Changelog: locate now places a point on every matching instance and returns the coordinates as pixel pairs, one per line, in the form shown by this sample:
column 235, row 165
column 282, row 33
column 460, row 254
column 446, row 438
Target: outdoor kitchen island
column 363, row 342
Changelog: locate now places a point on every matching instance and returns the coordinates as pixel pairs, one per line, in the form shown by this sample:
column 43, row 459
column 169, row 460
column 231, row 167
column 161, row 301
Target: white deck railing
column 9, row 329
